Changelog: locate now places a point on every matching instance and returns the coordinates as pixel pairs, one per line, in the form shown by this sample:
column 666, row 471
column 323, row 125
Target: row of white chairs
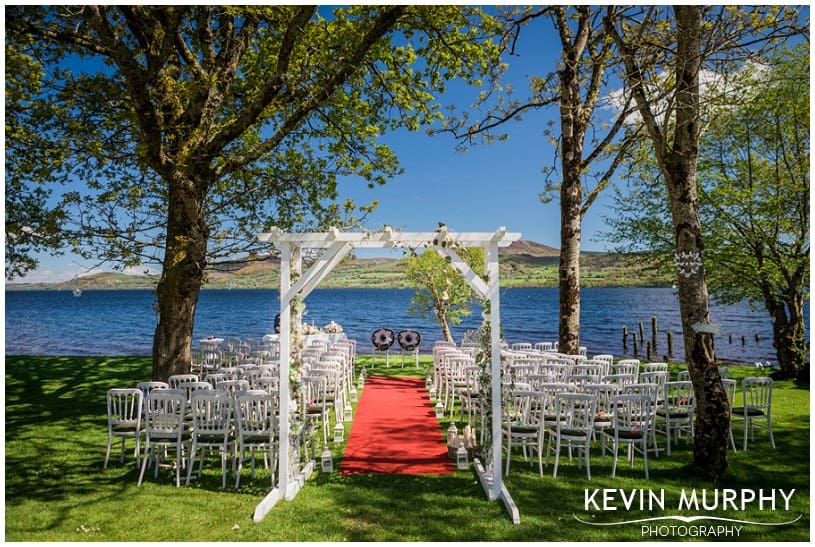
column 245, row 422
column 531, row 414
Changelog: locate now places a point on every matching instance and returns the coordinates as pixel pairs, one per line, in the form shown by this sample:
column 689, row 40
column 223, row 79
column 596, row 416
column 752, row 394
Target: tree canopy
column 180, row 132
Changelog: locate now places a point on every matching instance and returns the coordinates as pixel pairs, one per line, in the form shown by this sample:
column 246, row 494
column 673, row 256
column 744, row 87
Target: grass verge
column 57, row 490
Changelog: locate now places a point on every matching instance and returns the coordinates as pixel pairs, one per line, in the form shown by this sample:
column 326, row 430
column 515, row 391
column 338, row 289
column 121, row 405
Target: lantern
column 347, row 413
column 354, row 394
column 462, row 461
column 439, row 410
column 327, row 460
column 432, row 392
column 339, row 433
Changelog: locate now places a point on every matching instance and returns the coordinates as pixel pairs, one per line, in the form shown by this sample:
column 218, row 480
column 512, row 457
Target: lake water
column 122, row 322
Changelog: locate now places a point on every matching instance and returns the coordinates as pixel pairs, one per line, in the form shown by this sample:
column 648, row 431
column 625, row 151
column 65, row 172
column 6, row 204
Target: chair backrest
column 147, row 387
column 654, row 391
column 597, row 371
column 605, row 394
column 125, row 407
column 632, row 412
column 211, row 413
column 656, row 377
column 621, row 367
column 543, row 346
column 757, row 392
column 313, row 392
column 522, row 407
column 174, row 380
column 191, row 387
column 255, row 414
column 683, row 376
column 653, row 367
column 165, row 410
column 575, row 412
column 557, row 371
column 618, row 379
column 679, row 396
column 230, row 387
column 521, row 346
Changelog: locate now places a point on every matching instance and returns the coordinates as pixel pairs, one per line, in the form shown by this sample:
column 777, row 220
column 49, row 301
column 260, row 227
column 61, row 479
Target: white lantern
column 347, row 413
column 452, row 435
column 354, row 394
column 327, row 461
column 432, row 393
column 439, row 410
column 462, row 461
column 339, row 433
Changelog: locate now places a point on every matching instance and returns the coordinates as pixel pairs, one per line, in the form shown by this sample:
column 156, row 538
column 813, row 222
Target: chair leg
column 144, row 462
column 770, row 430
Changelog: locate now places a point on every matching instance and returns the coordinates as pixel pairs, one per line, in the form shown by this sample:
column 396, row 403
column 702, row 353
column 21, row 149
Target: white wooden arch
column 336, row 245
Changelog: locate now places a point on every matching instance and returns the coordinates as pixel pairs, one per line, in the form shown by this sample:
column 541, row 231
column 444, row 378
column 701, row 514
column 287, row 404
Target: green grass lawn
column 57, row 490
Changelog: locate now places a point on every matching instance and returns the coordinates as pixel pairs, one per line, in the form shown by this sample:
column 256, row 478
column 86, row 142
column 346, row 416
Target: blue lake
column 122, row 322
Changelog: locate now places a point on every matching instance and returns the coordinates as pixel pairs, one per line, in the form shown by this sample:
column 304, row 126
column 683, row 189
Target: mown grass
column 56, row 489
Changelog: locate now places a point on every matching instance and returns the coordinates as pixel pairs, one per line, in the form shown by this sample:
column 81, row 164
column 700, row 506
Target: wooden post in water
column 636, row 346
column 648, row 350
column 654, row 330
column 642, row 333
column 670, row 337
column 625, row 339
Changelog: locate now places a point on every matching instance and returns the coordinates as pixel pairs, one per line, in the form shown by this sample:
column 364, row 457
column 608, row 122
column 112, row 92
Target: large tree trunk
column 788, row 335
column 569, row 272
column 177, row 290
column 712, row 423
column 571, row 202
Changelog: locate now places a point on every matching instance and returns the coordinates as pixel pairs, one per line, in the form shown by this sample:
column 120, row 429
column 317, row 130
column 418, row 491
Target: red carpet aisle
column 395, row 430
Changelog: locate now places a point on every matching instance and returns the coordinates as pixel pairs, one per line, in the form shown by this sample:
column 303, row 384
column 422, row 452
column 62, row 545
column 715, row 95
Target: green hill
column 523, row 264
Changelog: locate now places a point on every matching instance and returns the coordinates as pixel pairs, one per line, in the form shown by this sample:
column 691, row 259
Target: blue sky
column 482, row 189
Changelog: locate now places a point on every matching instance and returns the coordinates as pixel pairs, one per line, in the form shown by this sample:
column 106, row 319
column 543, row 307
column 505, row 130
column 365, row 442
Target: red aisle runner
column 395, row 430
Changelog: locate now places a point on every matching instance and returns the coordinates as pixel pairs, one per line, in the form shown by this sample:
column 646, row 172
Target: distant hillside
column 528, row 248
column 523, row 264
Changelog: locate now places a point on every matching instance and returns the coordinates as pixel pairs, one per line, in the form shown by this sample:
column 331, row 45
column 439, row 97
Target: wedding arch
column 335, row 246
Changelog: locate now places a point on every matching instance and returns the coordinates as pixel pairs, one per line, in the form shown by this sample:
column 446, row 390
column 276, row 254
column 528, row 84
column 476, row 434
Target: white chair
column 471, row 398
column 381, row 341
column 165, row 428
column 573, row 428
column 677, row 410
column 521, row 422
column 757, row 400
column 631, row 426
column 211, row 428
column 256, row 424
column 314, row 407
column 124, row 419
